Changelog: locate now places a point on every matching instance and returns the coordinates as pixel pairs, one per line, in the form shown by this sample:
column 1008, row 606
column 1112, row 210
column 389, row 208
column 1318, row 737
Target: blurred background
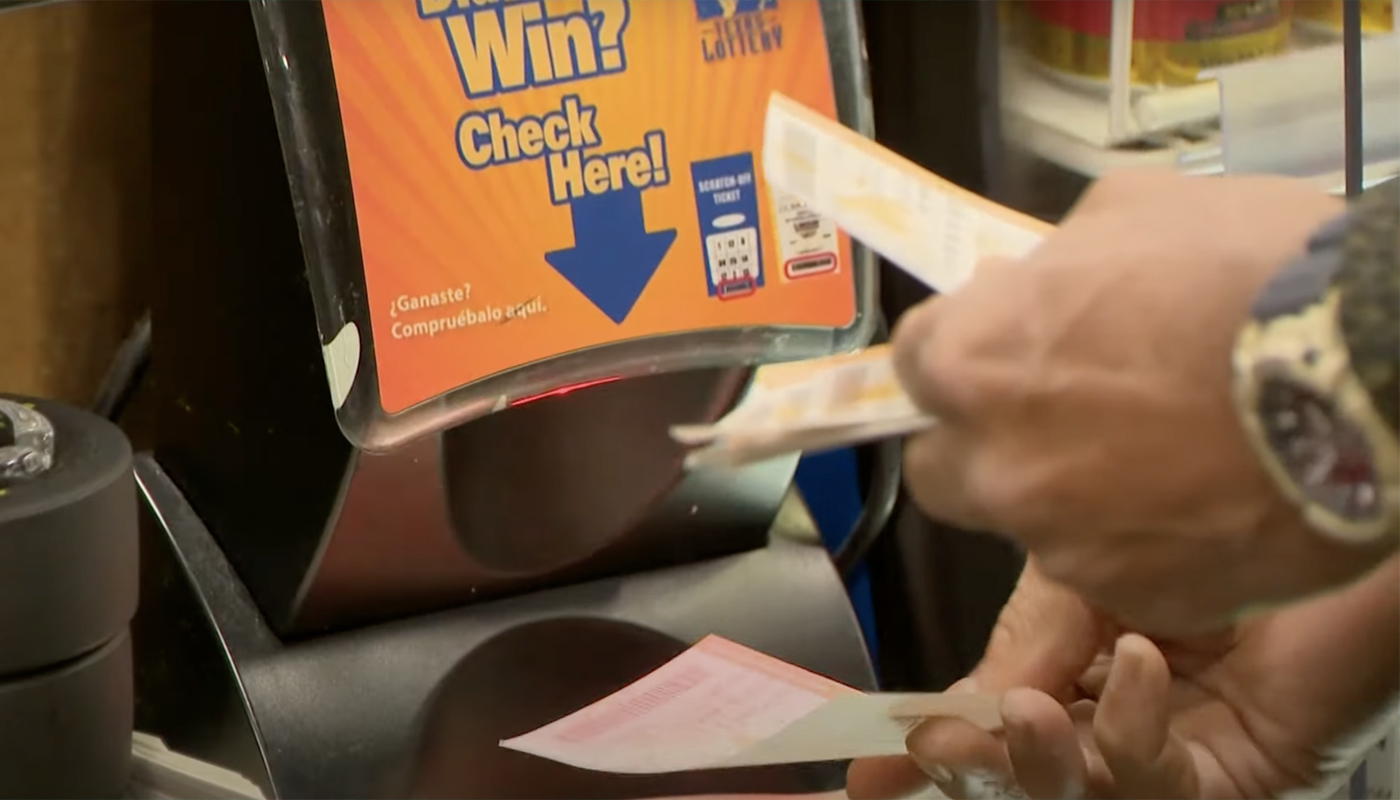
column 948, row 90
column 74, row 191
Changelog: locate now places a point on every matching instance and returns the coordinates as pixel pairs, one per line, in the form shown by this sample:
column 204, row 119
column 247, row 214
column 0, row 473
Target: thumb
column 1045, row 637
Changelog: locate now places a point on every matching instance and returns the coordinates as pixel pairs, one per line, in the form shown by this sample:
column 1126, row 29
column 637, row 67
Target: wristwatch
column 1317, row 373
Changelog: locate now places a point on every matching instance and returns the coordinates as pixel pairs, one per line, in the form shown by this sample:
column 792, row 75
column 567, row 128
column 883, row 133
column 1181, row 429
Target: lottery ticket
column 720, row 704
column 929, row 227
column 840, row 390
column 808, row 405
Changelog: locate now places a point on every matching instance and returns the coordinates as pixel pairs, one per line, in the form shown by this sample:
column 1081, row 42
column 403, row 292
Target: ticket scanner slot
column 336, row 621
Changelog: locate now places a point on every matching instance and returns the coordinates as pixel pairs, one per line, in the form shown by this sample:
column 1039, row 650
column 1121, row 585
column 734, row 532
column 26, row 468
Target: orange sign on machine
column 536, row 177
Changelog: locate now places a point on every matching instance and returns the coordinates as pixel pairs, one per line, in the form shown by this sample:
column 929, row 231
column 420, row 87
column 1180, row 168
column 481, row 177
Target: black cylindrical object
column 68, row 591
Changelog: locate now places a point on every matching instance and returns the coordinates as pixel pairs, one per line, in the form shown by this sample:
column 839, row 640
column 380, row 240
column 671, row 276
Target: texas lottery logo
column 738, row 28
column 727, row 9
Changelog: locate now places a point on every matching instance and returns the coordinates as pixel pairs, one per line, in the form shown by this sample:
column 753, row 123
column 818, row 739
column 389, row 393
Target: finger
column 935, row 473
column 884, row 778
column 914, row 328
column 1131, row 725
column 1098, row 780
column 1095, row 677
column 931, row 352
column 1045, row 638
column 1043, row 746
column 960, row 758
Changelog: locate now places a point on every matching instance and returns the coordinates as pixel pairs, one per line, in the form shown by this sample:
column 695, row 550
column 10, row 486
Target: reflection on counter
column 535, row 673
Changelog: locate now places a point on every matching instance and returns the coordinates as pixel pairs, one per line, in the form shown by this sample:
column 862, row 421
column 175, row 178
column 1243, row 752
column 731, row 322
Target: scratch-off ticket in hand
column 932, row 229
column 720, row 704
column 808, row 405
column 929, row 227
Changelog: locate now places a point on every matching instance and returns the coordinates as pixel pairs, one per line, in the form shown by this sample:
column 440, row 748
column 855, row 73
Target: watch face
column 1326, row 455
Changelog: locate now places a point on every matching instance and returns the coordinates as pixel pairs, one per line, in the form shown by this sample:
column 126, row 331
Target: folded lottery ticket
column 720, row 704
column 929, row 227
column 808, row 405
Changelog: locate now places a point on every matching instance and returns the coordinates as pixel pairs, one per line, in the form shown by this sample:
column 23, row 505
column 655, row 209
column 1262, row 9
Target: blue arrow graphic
column 614, row 256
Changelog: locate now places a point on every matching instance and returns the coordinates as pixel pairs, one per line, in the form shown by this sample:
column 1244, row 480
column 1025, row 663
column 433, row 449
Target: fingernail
column 940, row 774
column 979, row 785
column 1128, row 652
column 1129, row 641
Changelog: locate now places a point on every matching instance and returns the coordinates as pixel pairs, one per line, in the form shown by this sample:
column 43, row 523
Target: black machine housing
column 335, row 623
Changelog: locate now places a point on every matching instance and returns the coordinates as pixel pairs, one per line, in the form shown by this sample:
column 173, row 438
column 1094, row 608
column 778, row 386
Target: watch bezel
column 1305, row 349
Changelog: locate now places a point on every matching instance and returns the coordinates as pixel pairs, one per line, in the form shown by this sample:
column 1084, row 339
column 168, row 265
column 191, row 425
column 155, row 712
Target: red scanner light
column 562, row 390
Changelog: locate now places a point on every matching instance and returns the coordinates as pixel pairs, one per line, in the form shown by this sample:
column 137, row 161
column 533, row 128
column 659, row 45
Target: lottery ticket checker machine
column 409, row 488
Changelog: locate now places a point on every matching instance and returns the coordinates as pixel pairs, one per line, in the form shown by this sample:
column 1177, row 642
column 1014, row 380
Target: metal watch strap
column 1358, row 253
column 1368, row 280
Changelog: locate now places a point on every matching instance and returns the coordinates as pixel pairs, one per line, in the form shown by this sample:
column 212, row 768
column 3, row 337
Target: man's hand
column 1045, row 637
column 1084, row 400
column 1092, row 712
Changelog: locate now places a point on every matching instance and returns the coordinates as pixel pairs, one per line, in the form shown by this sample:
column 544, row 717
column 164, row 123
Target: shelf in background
column 1069, row 125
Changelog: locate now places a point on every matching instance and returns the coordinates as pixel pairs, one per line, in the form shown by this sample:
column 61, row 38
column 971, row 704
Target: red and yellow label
column 537, row 177
column 1377, row 16
column 1173, row 40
